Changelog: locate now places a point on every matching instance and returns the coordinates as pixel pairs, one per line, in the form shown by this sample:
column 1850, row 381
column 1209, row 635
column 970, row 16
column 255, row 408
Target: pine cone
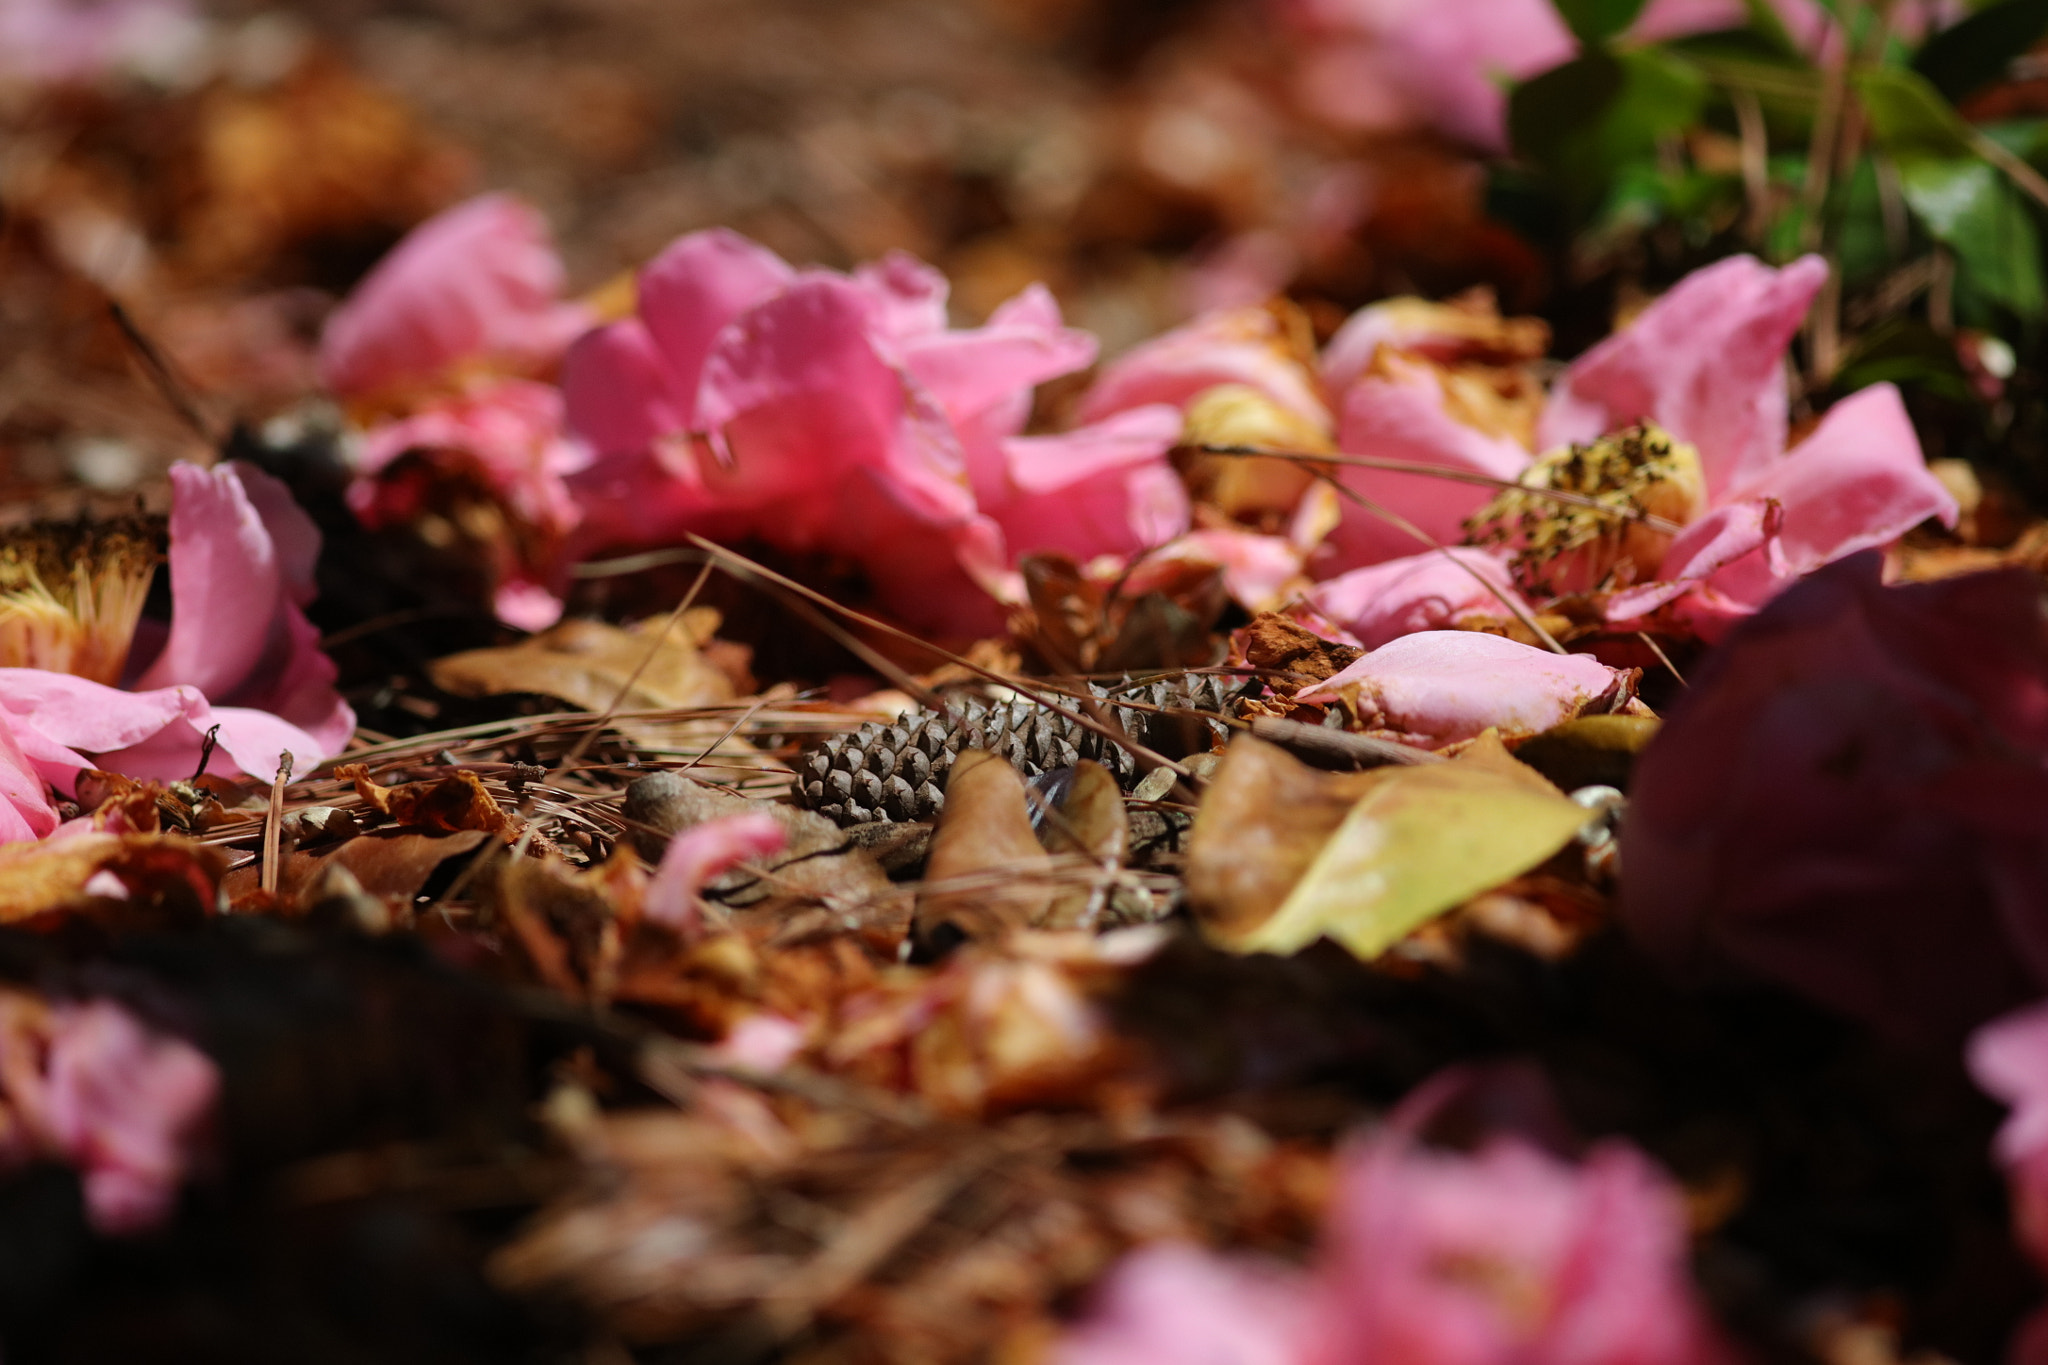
column 898, row 771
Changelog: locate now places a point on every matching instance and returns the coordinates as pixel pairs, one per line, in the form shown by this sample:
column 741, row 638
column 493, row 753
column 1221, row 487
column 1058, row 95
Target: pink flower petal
column 1429, row 591
column 696, row 288
column 909, row 296
column 130, row 1108
column 1243, row 346
column 1706, row 362
column 1257, row 569
column 1858, row 482
column 155, row 734
column 1442, row 686
column 25, row 809
column 1102, row 489
column 618, row 393
column 1585, row 1263
column 512, row 432
column 971, row 371
column 799, row 401
column 1171, row 1304
column 227, row 584
column 697, row 855
column 1402, row 417
column 478, row 283
column 236, row 634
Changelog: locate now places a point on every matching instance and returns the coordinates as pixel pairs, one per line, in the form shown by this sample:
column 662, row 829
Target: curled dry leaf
column 1089, row 823
column 987, row 872
column 1272, row 641
column 589, row 664
column 446, row 805
column 392, row 865
column 1417, row 842
column 1262, row 821
column 137, row 877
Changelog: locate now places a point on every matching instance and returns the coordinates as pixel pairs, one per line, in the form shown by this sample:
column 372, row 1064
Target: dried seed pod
column 898, row 771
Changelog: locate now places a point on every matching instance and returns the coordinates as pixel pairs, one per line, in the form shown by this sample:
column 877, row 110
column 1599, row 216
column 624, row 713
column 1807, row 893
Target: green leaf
column 1908, row 116
column 1595, row 21
column 1972, row 208
column 1419, row 842
column 1583, row 121
column 1978, row 50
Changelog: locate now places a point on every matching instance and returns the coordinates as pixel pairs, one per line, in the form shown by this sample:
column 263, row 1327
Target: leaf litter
column 1270, row 887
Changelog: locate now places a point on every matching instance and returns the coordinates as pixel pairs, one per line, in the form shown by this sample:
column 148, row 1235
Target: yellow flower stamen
column 1562, row 548
column 71, row 593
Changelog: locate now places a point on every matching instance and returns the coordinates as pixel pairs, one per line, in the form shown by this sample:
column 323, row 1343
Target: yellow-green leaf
column 1419, row 842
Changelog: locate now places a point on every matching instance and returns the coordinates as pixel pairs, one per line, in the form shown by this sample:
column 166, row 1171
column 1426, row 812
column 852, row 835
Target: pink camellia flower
column 90, row 1085
column 477, row 287
column 1449, row 64
column 54, row 41
column 694, row 857
column 444, row 334
column 2009, row 1058
column 239, row 654
column 1508, row 1254
column 1504, row 1256
column 1171, row 1304
column 1849, row 800
column 1706, row 363
column 1441, row 686
column 1444, row 63
column 841, row 415
column 509, row 434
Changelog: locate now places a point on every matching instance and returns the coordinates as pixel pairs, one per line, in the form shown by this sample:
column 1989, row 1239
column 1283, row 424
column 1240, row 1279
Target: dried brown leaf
column 986, row 873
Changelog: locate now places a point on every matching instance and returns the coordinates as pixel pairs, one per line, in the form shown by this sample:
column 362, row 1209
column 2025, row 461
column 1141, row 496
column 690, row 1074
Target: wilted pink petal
column 1172, row 1304
column 479, row 283
column 1447, row 62
column 1706, row 362
column 1401, row 416
column 25, row 809
column 1722, row 537
column 1022, row 345
column 1243, row 346
column 761, row 1042
column 1430, row 591
column 510, row 430
column 237, row 634
column 697, row 855
column 51, row 41
column 130, row 1108
column 1508, row 1254
column 1441, row 686
column 1258, row 570
column 2009, row 1058
column 1849, row 798
column 1101, row 489
column 526, row 606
